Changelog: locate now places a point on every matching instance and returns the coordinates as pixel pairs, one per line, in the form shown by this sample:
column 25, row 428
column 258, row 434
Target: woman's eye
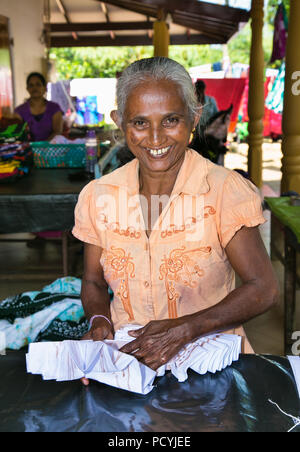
column 171, row 121
column 139, row 123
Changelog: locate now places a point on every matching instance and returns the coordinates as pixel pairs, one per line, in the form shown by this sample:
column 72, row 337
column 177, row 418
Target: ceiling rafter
column 100, row 26
column 64, row 12
column 128, row 40
column 190, row 22
column 181, row 12
column 105, row 12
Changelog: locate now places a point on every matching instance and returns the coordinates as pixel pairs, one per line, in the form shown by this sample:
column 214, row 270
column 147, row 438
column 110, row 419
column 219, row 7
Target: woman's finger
column 131, row 346
column 85, row 381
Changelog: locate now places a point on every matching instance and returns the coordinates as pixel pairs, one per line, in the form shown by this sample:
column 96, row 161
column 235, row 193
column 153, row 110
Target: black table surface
column 43, row 200
column 44, row 181
column 237, row 399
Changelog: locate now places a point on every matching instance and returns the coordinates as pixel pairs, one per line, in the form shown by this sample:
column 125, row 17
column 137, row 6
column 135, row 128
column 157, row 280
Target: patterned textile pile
column 53, row 314
column 16, row 157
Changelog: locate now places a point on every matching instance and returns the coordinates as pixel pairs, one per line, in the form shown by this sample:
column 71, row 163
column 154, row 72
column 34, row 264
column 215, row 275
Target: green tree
column 93, row 62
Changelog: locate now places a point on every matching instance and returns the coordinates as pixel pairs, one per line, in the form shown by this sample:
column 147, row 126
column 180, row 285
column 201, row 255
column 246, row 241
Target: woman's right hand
column 99, row 331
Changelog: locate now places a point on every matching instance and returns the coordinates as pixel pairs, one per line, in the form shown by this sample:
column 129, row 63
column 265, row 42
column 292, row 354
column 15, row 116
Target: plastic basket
column 47, row 155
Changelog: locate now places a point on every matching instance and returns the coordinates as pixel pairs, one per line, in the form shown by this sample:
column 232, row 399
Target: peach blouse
column 182, row 267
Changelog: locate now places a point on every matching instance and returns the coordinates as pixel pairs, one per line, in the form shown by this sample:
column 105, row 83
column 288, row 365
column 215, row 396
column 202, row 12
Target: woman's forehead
column 35, row 79
column 155, row 92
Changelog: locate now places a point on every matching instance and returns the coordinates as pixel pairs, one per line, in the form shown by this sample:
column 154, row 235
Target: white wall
column 26, row 25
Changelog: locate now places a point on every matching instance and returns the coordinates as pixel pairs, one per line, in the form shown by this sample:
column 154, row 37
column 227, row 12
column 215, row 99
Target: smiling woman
column 168, row 230
column 157, row 126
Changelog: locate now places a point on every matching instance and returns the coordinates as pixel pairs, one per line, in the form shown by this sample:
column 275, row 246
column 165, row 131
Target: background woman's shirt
column 40, row 125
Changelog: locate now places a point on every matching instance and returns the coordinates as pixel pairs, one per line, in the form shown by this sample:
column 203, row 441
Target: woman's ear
column 116, row 118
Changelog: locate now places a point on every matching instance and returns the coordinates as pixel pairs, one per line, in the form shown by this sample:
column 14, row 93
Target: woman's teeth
column 159, row 151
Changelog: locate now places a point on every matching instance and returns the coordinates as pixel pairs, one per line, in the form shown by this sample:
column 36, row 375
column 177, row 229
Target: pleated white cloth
column 102, row 361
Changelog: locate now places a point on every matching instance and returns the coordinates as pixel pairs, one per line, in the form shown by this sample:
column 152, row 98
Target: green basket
column 47, row 155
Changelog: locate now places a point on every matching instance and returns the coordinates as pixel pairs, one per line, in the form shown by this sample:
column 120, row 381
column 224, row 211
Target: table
column 285, row 221
column 43, row 200
column 236, row 399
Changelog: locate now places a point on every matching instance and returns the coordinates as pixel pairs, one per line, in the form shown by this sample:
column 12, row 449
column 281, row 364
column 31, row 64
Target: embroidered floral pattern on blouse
column 120, row 266
column 173, row 229
column 211, row 211
column 189, row 224
column 181, row 267
column 115, row 227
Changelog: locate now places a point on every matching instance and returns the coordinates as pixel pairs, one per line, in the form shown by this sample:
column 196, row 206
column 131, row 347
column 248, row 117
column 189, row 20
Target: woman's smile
column 159, row 153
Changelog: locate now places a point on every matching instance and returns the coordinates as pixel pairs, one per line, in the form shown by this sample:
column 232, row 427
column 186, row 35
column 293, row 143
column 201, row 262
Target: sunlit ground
column 272, row 155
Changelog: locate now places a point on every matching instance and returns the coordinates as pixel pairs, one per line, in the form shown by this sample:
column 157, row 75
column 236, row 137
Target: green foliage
column 272, row 8
column 94, row 62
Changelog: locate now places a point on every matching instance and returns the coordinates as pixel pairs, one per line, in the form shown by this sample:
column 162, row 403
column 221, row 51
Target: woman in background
column 44, row 118
column 45, row 121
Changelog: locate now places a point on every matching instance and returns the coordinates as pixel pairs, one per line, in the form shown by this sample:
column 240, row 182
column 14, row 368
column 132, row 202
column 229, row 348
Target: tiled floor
column 264, row 332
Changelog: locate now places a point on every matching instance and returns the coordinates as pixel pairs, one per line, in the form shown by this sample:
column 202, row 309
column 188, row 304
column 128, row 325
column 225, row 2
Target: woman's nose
column 156, row 135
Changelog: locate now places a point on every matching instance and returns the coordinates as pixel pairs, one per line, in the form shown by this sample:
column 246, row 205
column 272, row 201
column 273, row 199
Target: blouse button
column 146, row 284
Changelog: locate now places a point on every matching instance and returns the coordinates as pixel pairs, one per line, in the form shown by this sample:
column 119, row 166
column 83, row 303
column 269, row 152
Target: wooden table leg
column 64, row 239
column 290, row 278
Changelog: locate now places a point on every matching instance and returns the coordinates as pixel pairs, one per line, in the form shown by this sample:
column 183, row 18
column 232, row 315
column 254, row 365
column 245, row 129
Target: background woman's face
column 35, row 87
column 157, row 125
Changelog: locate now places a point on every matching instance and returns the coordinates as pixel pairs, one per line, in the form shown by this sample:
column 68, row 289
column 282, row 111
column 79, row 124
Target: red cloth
column 272, row 121
column 234, row 91
column 227, row 91
column 6, row 94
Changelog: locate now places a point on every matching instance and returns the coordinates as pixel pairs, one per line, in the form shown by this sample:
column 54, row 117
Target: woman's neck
column 37, row 105
column 158, row 183
column 37, row 101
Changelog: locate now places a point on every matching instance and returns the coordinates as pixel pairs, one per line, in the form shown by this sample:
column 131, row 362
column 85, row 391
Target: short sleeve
column 85, row 216
column 54, row 108
column 241, row 206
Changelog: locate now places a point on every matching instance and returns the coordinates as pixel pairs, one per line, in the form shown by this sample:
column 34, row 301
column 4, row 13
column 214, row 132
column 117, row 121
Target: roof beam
column 100, row 26
column 150, row 31
column 207, row 17
column 64, row 12
column 105, row 12
column 142, row 40
column 193, row 6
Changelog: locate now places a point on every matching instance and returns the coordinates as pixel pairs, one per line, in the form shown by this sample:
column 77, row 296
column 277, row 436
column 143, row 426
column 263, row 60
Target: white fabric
column 102, row 361
column 295, row 364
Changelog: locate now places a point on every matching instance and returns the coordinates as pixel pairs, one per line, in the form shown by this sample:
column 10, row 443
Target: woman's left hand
column 158, row 341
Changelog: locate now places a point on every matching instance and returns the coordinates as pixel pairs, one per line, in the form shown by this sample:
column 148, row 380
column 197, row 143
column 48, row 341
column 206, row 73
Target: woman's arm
column 258, row 293
column 57, row 125
column 161, row 340
column 16, row 115
column 94, row 295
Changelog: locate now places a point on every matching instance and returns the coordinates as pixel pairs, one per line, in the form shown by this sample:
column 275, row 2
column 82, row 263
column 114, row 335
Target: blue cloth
column 55, row 312
column 274, row 100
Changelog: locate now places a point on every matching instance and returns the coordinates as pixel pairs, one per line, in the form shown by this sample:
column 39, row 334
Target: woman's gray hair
column 156, row 68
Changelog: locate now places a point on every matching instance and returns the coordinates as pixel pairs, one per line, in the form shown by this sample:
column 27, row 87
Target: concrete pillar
column 161, row 38
column 291, row 108
column 256, row 94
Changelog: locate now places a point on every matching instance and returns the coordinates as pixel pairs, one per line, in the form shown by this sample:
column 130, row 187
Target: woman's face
column 156, row 124
column 35, row 87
